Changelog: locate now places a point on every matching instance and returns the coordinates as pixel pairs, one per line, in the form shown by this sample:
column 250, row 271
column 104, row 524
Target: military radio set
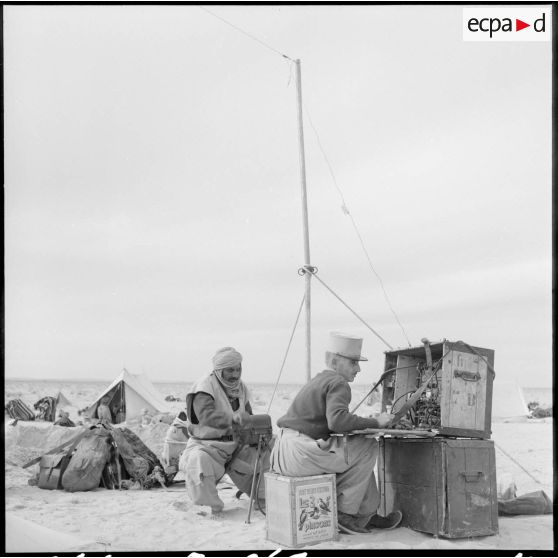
column 445, row 386
column 437, row 454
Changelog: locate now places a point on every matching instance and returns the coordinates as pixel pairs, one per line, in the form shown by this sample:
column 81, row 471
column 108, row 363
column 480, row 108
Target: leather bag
column 51, row 469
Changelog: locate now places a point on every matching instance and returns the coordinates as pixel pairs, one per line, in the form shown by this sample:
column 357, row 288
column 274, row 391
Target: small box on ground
column 300, row 511
column 443, row 486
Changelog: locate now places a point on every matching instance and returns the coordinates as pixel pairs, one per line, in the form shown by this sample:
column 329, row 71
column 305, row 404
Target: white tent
column 64, row 404
column 127, row 395
column 62, row 401
column 508, row 400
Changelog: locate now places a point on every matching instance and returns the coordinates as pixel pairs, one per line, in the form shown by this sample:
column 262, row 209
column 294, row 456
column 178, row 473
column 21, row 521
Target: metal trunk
column 442, row 486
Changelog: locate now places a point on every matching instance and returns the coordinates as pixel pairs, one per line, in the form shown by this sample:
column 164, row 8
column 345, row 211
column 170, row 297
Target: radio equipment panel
column 456, row 381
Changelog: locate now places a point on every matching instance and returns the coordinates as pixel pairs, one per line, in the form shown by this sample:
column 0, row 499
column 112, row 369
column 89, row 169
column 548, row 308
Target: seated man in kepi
column 216, row 406
column 305, row 446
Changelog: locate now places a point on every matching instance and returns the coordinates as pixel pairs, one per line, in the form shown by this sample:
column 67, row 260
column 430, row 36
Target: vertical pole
column 307, row 276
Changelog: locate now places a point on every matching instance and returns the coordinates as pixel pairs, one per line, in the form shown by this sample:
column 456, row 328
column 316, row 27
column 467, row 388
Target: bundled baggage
column 51, row 469
column 533, row 503
column 46, row 408
column 53, row 465
column 86, row 465
column 99, row 456
column 138, row 460
column 18, row 410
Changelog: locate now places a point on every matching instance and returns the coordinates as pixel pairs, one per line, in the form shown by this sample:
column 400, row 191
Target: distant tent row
column 127, row 396
column 46, row 408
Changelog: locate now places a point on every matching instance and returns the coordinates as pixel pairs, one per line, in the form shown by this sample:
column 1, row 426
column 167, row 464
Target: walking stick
column 256, row 467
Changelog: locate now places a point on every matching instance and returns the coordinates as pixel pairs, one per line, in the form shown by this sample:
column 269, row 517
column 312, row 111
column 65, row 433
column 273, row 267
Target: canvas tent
column 62, row 401
column 63, row 404
column 128, row 394
column 508, row 400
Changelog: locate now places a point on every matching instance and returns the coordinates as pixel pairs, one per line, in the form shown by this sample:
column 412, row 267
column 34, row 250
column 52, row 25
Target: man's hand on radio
column 384, row 419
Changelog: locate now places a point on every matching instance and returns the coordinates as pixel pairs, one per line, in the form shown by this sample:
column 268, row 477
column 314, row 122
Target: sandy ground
column 160, row 520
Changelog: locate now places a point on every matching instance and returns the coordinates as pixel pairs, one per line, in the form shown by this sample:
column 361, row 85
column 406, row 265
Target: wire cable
column 347, row 212
column 312, row 270
column 246, row 33
column 286, row 353
column 517, row 463
column 344, row 206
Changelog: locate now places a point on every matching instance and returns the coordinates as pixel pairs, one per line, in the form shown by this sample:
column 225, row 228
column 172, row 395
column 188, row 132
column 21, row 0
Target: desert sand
column 159, row 520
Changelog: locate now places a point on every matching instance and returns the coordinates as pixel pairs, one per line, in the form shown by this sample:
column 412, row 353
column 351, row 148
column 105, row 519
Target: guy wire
column 246, row 33
column 286, row 353
column 347, row 212
column 517, row 463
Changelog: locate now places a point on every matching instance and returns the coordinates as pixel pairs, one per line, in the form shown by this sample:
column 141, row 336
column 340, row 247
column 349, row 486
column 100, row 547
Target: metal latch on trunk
column 467, row 376
column 472, row 476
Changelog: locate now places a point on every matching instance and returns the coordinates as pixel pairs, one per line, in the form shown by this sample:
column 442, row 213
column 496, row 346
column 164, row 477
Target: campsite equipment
column 129, row 394
column 304, row 510
column 240, row 467
column 247, row 463
column 62, row 401
column 443, row 486
column 533, row 503
column 86, row 466
column 53, row 465
column 254, row 427
column 57, row 449
column 51, row 469
column 103, row 454
column 454, row 398
column 18, row 410
column 137, row 458
column 257, row 428
column 46, row 408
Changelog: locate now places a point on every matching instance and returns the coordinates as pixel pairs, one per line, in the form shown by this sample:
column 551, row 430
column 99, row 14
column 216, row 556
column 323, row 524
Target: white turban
column 226, row 357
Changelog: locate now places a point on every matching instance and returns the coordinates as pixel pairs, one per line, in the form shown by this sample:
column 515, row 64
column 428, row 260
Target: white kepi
column 346, row 345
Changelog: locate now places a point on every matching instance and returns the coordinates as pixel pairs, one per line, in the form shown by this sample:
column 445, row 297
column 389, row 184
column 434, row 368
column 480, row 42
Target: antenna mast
column 307, row 275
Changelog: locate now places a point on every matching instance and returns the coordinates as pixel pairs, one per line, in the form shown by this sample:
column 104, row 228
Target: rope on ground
column 286, row 353
column 517, row 463
column 313, row 271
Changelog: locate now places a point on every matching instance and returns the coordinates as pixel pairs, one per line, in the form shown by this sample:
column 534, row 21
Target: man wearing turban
column 215, row 406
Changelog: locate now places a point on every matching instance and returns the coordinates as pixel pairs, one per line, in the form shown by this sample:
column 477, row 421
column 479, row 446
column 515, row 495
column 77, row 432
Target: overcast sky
column 152, row 191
